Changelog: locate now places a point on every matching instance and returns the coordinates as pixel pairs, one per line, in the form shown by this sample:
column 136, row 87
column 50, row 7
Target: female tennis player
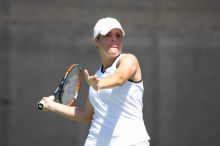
column 114, row 106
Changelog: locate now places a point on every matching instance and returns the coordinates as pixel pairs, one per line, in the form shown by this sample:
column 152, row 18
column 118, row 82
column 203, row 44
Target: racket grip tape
column 40, row 105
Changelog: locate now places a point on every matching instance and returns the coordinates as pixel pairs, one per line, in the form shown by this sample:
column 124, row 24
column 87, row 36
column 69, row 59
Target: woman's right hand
column 47, row 103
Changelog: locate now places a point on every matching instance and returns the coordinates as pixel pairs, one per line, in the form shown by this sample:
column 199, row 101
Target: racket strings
column 71, row 85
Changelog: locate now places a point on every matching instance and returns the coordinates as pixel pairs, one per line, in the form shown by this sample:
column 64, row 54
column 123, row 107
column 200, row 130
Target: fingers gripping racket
column 68, row 89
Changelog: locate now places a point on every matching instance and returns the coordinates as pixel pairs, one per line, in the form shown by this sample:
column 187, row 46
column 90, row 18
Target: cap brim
column 104, row 32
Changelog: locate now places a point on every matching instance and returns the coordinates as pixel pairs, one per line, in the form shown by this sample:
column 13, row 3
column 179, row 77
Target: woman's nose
column 114, row 38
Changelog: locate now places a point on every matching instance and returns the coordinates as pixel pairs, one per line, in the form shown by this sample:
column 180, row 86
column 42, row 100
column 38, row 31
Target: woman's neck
column 107, row 62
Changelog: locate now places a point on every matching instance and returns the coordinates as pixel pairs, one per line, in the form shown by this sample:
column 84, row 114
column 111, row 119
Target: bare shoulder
column 129, row 58
column 129, row 64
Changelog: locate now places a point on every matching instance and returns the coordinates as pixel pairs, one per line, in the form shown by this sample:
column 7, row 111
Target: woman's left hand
column 92, row 80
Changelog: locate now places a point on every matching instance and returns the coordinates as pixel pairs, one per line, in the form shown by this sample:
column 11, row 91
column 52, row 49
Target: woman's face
column 110, row 44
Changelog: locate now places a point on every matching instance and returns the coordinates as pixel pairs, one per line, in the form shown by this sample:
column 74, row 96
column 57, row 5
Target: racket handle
column 40, row 105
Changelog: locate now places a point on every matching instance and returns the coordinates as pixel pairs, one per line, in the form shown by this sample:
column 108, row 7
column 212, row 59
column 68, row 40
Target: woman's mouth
column 114, row 46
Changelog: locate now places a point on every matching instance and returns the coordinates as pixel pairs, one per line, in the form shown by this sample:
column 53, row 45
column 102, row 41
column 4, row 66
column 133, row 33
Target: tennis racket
column 68, row 89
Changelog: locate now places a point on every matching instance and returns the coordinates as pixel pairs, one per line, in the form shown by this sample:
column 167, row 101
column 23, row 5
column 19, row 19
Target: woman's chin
column 114, row 52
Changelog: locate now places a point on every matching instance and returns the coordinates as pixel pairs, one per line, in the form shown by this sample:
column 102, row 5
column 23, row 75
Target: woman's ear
column 95, row 42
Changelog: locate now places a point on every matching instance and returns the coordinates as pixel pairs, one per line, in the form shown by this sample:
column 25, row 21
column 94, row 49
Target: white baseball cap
column 104, row 25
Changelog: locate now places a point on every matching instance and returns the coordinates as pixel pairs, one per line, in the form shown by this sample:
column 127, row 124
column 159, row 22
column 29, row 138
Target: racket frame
column 59, row 89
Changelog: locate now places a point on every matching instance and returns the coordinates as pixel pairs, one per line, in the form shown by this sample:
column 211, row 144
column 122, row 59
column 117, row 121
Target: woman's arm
column 128, row 68
column 80, row 114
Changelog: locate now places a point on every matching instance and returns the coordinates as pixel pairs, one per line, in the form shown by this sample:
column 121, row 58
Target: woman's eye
column 108, row 35
column 118, row 35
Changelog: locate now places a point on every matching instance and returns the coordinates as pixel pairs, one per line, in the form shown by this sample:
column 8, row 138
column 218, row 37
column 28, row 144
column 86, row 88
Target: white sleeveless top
column 118, row 117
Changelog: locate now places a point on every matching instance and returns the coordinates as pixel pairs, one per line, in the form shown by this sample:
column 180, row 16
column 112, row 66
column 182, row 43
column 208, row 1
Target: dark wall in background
column 177, row 43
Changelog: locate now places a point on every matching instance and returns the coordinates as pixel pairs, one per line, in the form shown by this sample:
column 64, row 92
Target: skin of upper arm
column 82, row 114
column 126, row 69
column 89, row 111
